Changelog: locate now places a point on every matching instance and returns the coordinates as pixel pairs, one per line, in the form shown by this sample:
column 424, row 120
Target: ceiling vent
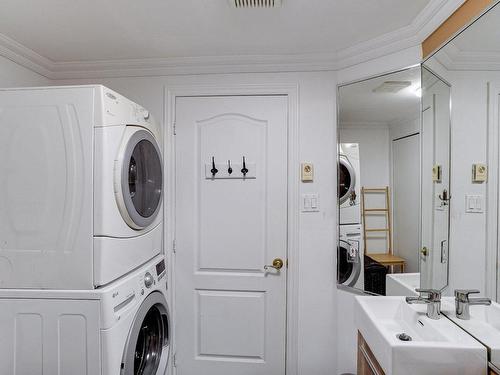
column 392, row 87
column 255, row 3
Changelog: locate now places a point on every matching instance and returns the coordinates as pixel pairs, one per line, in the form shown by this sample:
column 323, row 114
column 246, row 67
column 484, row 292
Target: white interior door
column 406, row 199
column 230, row 313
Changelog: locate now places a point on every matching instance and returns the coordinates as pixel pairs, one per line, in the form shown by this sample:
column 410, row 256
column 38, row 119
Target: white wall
column 15, row 75
column 469, row 92
column 374, row 152
column 317, row 293
column 404, row 128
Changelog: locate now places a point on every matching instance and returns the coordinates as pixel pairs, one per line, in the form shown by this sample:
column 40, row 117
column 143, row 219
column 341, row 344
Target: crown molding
column 412, row 35
column 26, row 57
column 453, row 58
column 433, row 15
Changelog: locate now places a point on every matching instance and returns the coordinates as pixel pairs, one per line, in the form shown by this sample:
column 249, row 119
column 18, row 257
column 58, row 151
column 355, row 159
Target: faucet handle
column 463, row 294
column 433, row 295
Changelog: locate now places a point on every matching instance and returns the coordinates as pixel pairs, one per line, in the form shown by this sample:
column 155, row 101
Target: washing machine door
column 147, row 348
column 349, row 269
column 347, row 181
column 139, row 179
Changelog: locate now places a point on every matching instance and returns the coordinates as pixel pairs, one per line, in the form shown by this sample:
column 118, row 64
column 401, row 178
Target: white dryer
column 350, row 256
column 349, row 184
column 120, row 329
column 80, row 187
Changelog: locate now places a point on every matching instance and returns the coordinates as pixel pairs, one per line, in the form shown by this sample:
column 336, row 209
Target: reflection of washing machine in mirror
column 350, row 270
column 349, row 184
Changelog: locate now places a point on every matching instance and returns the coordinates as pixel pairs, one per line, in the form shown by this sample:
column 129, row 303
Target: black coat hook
column 213, row 170
column 244, row 170
column 229, row 168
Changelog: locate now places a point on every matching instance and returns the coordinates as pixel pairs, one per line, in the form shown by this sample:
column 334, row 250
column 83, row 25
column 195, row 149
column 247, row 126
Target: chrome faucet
column 462, row 302
column 430, row 297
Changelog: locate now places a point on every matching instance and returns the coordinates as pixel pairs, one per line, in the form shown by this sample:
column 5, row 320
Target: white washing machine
column 80, row 187
column 120, row 329
column 349, row 185
column 350, row 256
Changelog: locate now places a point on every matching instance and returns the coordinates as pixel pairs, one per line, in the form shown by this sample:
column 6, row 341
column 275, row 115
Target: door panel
column 406, row 198
column 231, row 314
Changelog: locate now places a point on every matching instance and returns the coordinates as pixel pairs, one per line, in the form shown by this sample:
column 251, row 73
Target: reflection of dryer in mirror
column 349, row 184
column 350, row 261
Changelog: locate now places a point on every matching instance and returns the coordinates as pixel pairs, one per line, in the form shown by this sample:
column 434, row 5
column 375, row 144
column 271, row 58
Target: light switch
column 479, row 172
column 310, row 203
column 474, row 203
column 307, row 172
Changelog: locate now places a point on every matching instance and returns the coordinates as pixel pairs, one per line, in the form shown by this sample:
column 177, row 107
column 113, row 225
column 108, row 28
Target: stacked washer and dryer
column 82, row 272
column 350, row 246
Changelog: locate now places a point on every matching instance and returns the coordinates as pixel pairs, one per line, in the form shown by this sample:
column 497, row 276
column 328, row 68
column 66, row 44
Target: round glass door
column 142, row 179
column 345, row 268
column 348, row 272
column 146, row 352
column 149, row 343
column 347, row 180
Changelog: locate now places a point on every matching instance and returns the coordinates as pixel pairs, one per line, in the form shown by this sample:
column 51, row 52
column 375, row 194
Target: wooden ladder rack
column 387, row 258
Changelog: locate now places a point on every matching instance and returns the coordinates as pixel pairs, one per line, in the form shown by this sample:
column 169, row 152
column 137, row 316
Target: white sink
column 437, row 346
column 402, row 284
column 484, row 325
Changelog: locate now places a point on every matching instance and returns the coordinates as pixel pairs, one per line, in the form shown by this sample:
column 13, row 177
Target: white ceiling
column 358, row 104
column 91, row 30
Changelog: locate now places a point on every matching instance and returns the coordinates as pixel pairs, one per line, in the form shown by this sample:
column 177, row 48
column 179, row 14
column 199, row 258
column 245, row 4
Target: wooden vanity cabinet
column 367, row 363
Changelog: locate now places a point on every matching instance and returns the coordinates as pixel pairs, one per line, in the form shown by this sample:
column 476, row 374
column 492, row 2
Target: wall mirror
column 388, row 209
column 470, row 63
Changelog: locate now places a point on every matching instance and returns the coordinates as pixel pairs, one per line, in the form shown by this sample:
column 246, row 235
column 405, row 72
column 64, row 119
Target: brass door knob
column 277, row 264
column 424, row 251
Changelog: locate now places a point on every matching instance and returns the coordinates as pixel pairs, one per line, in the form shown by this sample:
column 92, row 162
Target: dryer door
column 147, row 348
column 347, row 181
column 139, row 178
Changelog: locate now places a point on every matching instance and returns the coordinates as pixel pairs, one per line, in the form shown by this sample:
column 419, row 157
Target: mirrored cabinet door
column 435, row 172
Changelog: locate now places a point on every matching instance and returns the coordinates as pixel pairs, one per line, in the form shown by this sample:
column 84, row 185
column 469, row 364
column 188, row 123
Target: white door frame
column 171, row 92
column 492, row 191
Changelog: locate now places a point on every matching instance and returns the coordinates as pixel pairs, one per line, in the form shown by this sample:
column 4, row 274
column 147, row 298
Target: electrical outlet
column 479, row 172
column 307, row 172
column 436, row 173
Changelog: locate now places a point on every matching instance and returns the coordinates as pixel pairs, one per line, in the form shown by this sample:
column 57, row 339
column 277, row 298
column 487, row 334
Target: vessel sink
column 484, row 325
column 436, row 346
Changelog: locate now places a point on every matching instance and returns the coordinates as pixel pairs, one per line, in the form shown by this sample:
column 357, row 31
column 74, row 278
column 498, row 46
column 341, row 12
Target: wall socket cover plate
column 479, row 172
column 436, row 173
column 307, row 172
